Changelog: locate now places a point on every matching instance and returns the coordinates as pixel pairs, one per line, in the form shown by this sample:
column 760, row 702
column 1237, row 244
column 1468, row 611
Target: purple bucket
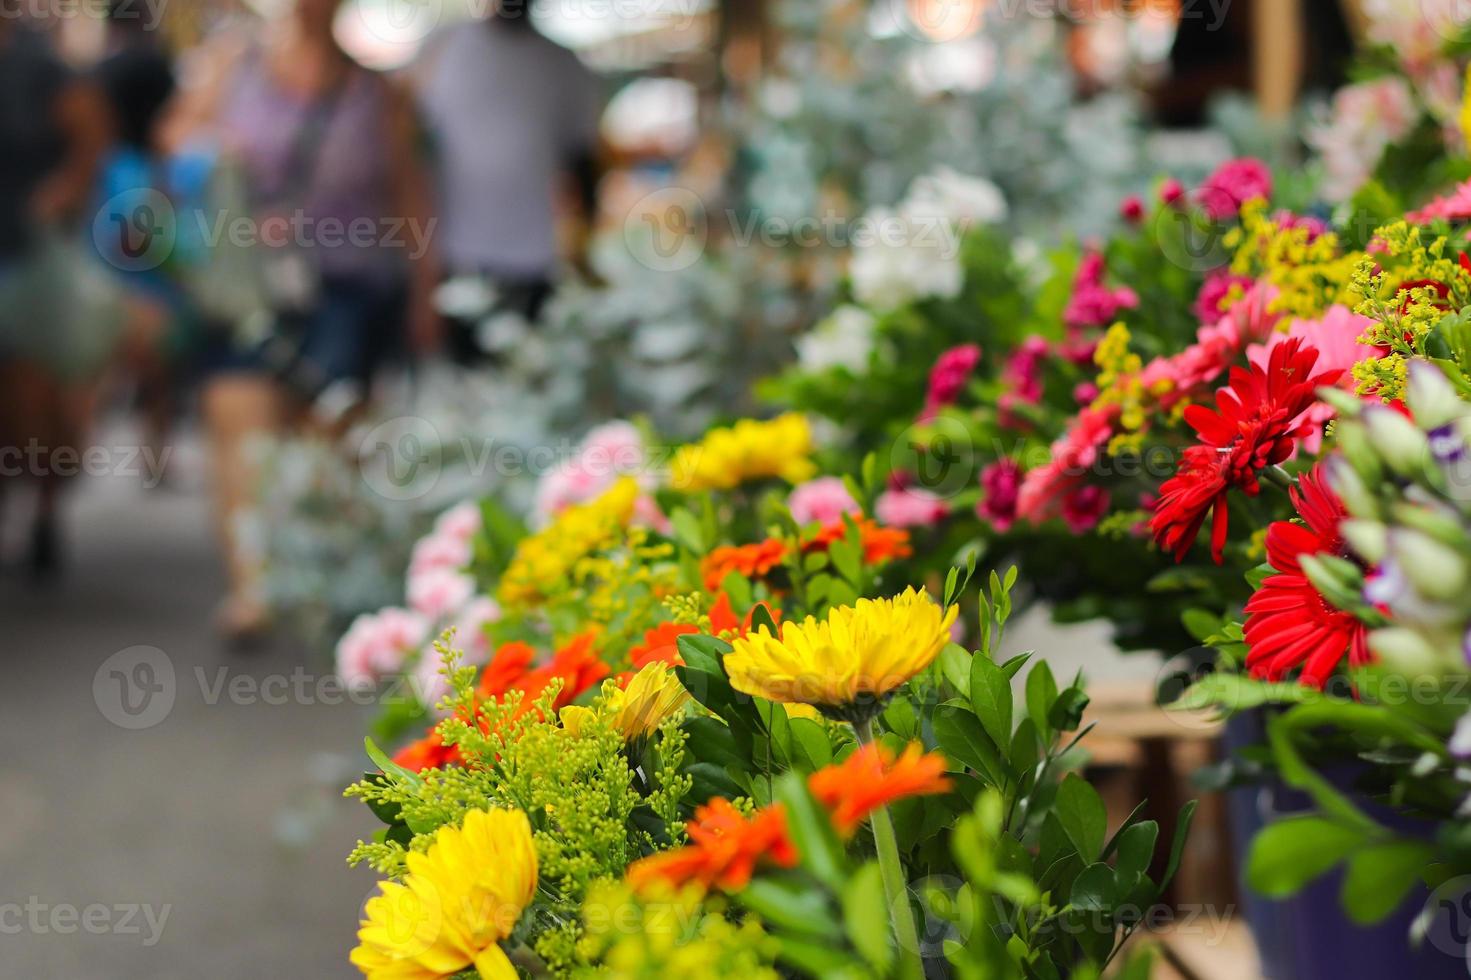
column 1308, row 937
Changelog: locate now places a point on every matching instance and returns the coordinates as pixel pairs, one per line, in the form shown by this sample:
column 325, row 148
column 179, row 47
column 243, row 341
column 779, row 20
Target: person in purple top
column 326, row 153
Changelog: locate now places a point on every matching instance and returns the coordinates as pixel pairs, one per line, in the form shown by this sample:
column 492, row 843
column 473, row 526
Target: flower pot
column 1309, row 937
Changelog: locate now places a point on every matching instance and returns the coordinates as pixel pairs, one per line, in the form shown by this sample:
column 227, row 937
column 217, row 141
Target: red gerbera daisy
column 1255, row 425
column 1289, row 623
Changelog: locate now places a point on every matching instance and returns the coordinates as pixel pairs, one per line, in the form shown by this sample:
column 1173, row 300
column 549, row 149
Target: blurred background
column 280, row 280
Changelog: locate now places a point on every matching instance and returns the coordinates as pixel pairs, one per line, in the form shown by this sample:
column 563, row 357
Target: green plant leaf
column 812, row 831
column 1041, row 696
column 1083, row 816
column 1380, row 876
column 1095, row 889
column 990, row 695
column 1288, row 854
column 866, row 917
column 964, row 739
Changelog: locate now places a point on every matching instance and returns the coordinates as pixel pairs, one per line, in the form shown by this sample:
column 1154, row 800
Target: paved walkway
column 143, row 840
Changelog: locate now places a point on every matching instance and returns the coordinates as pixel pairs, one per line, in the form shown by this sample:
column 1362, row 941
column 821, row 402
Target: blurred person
column 60, row 322
column 322, row 146
column 136, row 75
column 513, row 118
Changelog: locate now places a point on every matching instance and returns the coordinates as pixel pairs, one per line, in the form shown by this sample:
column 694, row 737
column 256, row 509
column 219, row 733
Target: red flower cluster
column 723, row 852
column 1288, row 622
column 1256, row 425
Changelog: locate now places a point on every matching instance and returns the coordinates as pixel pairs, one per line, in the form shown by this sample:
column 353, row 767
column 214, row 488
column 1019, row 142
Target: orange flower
column 750, row 560
column 880, row 544
column 872, row 777
column 429, row 752
column 724, row 850
column 577, row 664
column 661, row 644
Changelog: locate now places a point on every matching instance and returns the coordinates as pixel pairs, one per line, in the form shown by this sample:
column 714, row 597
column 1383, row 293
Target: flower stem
column 1278, row 477
column 896, row 891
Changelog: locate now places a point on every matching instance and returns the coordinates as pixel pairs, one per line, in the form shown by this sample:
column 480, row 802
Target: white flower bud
column 1403, row 447
column 1368, row 539
column 1436, row 571
column 1432, row 398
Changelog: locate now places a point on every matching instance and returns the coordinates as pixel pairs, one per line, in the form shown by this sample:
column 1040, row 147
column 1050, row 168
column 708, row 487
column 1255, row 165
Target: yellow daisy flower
column 749, row 450
column 858, row 655
column 651, row 698
column 455, row 905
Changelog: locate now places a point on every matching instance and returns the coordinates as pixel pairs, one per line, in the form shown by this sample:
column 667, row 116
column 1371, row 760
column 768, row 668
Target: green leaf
column 811, row 748
column 1067, row 711
column 383, row 762
column 790, row 905
column 761, row 617
column 1041, row 696
column 1238, row 692
column 1177, row 849
column 1081, row 812
column 955, row 666
column 812, row 831
column 687, row 531
column 990, row 694
column 1200, row 624
column 1380, row 876
column 866, row 916
column 1288, row 854
column 964, row 739
column 1095, row 890
column 1136, row 850
column 703, row 653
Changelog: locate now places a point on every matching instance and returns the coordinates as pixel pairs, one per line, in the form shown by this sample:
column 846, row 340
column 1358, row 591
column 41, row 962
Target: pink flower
column 1232, row 185
column 646, row 513
column 1453, row 208
column 821, row 501
column 1171, row 192
column 1084, row 508
column 1085, row 393
column 1044, row 488
column 439, row 592
column 1218, row 285
column 1093, row 304
column 1000, row 488
column 1023, row 373
column 1336, row 337
column 1217, row 347
column 470, row 625
column 379, row 644
column 909, row 507
column 440, row 550
column 461, row 523
column 613, row 450
column 1132, row 210
column 948, row 377
column 606, row 454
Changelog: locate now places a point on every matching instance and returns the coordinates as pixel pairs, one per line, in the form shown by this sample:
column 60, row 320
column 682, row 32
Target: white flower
column 903, row 256
column 844, row 339
column 964, row 200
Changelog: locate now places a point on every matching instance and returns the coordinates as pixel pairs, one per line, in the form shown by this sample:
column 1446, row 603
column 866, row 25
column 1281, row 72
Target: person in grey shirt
column 513, row 118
